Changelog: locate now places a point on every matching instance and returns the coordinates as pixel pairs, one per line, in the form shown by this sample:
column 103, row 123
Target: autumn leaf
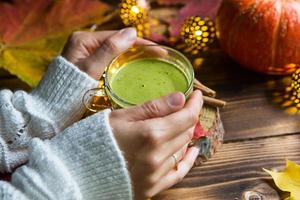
column 199, row 131
column 32, row 32
column 187, row 8
column 288, row 180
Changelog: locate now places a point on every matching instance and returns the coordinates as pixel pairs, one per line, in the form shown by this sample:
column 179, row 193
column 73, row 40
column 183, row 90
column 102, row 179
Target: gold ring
column 176, row 161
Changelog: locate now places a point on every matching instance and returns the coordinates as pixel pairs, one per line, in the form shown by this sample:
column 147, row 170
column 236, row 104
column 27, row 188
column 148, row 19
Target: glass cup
column 104, row 97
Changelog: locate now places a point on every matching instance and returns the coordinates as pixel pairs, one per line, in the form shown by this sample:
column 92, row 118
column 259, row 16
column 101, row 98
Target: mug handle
column 96, row 100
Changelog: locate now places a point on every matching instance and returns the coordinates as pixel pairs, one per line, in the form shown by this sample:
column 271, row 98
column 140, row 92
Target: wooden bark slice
column 212, row 127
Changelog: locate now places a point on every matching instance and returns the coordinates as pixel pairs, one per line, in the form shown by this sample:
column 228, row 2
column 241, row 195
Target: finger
column 141, row 41
column 156, row 108
column 94, row 40
column 176, row 176
column 109, row 49
column 176, row 123
column 91, row 40
column 153, row 50
column 100, row 36
column 166, row 150
column 169, row 164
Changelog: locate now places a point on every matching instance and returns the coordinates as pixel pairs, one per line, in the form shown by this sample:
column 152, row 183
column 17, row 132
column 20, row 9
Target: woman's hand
column 149, row 135
column 93, row 51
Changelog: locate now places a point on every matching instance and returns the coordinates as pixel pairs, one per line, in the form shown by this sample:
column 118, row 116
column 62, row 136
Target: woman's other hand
column 93, row 51
column 149, row 135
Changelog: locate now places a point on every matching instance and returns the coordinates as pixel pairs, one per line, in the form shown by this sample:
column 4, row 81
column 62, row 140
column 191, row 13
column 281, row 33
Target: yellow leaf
column 288, row 180
column 33, row 32
column 29, row 62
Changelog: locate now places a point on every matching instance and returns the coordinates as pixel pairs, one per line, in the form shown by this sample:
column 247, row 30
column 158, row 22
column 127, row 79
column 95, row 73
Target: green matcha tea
column 145, row 79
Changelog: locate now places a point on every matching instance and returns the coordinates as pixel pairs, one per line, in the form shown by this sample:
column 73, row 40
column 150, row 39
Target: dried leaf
column 288, row 180
column 32, row 32
column 190, row 8
column 199, row 131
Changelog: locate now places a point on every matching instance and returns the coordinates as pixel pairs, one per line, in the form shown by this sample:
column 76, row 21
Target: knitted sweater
column 82, row 161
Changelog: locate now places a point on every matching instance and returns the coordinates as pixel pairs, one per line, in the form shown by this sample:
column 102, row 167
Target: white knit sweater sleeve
column 53, row 105
column 83, row 162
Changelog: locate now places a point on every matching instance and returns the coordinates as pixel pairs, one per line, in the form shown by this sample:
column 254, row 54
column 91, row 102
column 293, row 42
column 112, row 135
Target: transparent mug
column 97, row 99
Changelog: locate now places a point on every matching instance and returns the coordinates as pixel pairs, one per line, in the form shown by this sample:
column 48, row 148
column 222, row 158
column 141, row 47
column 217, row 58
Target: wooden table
column 259, row 133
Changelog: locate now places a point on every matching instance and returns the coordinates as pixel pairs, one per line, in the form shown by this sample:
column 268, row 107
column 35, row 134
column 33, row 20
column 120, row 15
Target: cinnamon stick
column 204, row 89
column 214, row 102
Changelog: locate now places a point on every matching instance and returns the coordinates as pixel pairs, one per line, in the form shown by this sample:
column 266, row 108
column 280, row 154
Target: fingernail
column 175, row 99
column 198, row 91
column 128, row 33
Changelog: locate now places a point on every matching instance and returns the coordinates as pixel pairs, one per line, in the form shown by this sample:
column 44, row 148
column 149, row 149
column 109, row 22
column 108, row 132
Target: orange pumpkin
column 262, row 35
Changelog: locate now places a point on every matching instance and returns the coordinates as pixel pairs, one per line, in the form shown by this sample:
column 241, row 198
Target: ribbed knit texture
column 83, row 162
column 47, row 110
column 60, row 92
column 93, row 157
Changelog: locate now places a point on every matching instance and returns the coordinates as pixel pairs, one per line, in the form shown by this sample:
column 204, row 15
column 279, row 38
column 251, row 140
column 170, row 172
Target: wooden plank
column 218, row 69
column 250, row 112
column 237, row 169
column 256, row 117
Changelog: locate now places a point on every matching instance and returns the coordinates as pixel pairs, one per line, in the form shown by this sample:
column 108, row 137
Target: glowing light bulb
column 135, row 9
column 198, row 33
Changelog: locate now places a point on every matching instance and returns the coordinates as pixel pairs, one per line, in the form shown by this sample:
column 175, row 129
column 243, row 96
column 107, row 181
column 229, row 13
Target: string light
column 198, row 33
column 289, row 98
column 295, row 85
column 132, row 14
